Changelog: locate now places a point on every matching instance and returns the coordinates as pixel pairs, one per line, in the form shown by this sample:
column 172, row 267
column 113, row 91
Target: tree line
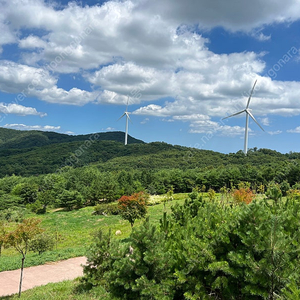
column 76, row 187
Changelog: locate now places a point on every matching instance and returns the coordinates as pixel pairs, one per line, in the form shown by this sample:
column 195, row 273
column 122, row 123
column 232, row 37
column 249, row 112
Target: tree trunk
column 21, row 277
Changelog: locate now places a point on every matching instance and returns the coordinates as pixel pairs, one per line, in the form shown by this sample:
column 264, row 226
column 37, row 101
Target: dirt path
column 40, row 275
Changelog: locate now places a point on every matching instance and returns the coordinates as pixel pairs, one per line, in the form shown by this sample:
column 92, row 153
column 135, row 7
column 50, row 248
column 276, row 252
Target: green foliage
column 284, row 187
column 3, row 229
column 71, row 199
column 9, row 201
column 106, row 209
column 291, row 292
column 274, row 192
column 41, row 243
column 27, row 191
column 98, row 259
column 211, row 194
column 13, row 214
column 44, row 199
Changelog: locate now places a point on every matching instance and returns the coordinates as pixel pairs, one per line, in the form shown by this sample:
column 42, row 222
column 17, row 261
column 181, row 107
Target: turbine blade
column 121, row 116
column 251, row 94
column 127, row 114
column 240, row 112
column 250, row 114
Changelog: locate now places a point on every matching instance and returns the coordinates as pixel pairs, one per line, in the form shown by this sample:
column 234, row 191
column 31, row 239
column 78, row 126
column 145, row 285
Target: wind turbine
column 126, row 113
column 248, row 113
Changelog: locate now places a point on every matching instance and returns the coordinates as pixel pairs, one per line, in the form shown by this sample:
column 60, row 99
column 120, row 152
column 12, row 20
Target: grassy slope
column 74, row 231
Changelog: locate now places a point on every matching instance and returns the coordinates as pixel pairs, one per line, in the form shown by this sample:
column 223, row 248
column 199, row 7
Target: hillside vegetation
column 28, row 153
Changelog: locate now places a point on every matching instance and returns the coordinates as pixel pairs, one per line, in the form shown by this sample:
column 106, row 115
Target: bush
column 13, row 214
column 42, row 243
column 35, row 207
column 243, row 195
column 106, row 209
column 8, row 201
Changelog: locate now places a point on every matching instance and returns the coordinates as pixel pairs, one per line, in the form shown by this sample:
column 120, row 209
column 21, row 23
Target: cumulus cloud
column 32, row 127
column 17, row 109
column 17, row 78
column 264, row 121
column 27, row 81
column 32, row 42
column 296, row 130
column 275, row 132
column 232, row 14
column 146, row 51
column 209, row 127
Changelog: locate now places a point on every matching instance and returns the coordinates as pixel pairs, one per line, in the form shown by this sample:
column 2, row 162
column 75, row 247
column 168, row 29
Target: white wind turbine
column 248, row 113
column 126, row 113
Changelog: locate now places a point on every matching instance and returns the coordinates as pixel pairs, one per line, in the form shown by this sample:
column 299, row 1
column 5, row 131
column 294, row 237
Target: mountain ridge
column 21, row 139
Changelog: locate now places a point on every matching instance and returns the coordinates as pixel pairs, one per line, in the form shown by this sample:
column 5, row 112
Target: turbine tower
column 126, row 113
column 248, row 113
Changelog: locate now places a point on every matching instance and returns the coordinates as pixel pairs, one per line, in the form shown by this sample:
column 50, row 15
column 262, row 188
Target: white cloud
column 69, row 132
column 18, row 109
column 110, row 129
column 296, row 130
column 74, row 96
column 192, row 117
column 147, row 50
column 146, row 120
column 32, row 127
column 32, row 42
column 261, row 37
column 29, row 81
column 233, row 15
column 264, row 121
column 275, row 132
column 209, row 127
column 17, row 78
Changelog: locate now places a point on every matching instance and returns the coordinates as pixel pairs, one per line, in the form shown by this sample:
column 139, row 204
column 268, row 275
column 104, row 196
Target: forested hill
column 36, row 152
column 21, row 139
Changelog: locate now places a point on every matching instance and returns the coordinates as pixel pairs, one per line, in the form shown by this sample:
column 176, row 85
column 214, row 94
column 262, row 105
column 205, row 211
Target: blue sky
column 70, row 67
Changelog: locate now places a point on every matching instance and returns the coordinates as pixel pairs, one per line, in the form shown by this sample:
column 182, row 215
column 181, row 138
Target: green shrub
column 35, row 207
column 41, row 243
column 106, row 209
column 13, row 214
column 8, row 201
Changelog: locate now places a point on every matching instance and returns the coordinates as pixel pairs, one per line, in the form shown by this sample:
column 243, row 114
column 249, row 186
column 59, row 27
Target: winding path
column 40, row 275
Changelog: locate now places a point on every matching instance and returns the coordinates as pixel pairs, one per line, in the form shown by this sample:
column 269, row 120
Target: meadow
column 73, row 231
